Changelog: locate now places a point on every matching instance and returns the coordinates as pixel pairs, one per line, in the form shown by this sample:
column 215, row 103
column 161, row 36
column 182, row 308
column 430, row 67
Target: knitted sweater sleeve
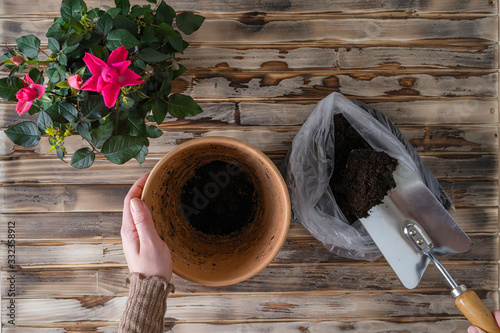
column 146, row 305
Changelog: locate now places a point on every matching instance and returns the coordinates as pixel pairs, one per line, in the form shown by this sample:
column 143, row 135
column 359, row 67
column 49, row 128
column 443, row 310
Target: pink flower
column 17, row 60
column 110, row 76
column 75, row 81
column 28, row 94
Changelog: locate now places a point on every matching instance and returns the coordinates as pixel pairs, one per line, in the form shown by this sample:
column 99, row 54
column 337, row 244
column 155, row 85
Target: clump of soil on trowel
column 361, row 176
column 220, row 199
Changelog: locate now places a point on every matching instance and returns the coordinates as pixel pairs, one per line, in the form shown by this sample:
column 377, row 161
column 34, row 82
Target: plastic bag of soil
column 310, row 163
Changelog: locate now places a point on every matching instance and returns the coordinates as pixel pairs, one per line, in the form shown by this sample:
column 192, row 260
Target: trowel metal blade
column 412, row 201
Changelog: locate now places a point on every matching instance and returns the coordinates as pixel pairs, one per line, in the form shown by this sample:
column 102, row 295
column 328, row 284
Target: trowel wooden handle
column 478, row 314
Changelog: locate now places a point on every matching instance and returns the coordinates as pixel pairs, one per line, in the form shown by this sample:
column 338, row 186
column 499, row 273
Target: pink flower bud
column 75, row 81
column 25, row 96
column 18, row 60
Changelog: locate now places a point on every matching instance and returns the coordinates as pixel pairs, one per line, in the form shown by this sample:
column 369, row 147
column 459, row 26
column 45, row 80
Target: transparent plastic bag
column 309, row 164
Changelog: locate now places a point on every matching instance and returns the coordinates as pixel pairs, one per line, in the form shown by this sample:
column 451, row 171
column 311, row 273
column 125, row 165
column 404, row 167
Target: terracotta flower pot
column 209, row 259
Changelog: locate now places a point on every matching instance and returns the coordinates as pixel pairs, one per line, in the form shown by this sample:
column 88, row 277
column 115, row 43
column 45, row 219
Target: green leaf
column 83, row 129
column 94, row 108
column 100, row 134
column 149, row 18
column 124, row 5
column 53, row 112
column 83, row 158
column 56, row 31
column 123, row 22
column 36, row 75
column 63, row 59
column 166, row 87
column 114, row 11
column 61, row 154
column 177, row 43
column 136, row 122
column 188, row 22
column 24, row 134
column 148, row 38
column 9, row 91
column 56, row 73
column 63, row 112
column 119, row 37
column 126, row 102
column 43, row 121
column 63, row 84
column 178, row 72
column 105, row 24
column 141, row 157
column 139, row 10
column 99, row 52
column 173, row 36
column 77, row 26
column 152, row 1
column 94, row 13
column 150, row 55
column 154, row 132
column 72, row 9
column 68, row 49
column 120, row 149
column 160, row 109
column 182, row 106
column 167, row 30
column 165, row 14
column 33, row 109
column 74, row 39
column 54, row 45
column 29, row 46
column 68, row 111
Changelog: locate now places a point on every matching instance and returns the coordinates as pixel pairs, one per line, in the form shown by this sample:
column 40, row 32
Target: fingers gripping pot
column 209, row 259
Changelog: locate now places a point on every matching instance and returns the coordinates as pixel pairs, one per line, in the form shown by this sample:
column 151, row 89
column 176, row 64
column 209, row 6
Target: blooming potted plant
column 105, row 75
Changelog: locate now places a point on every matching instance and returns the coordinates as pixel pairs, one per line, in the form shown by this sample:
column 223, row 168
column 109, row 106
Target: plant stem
column 38, row 62
column 117, row 117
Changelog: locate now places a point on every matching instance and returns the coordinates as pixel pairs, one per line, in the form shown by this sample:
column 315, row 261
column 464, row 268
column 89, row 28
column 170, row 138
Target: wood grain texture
column 211, row 308
column 37, row 7
column 278, row 140
column 446, row 111
column 294, row 251
column 289, row 58
column 314, row 278
column 444, row 166
column 340, row 30
column 258, row 68
column 106, row 198
column 429, row 325
column 70, row 226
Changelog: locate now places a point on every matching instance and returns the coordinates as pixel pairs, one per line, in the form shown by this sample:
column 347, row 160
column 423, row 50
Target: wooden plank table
column 258, row 68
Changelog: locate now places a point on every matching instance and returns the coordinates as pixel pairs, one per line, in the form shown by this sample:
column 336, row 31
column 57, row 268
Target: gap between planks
column 341, row 262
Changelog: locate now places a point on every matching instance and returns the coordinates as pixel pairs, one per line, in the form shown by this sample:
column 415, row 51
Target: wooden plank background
column 258, row 68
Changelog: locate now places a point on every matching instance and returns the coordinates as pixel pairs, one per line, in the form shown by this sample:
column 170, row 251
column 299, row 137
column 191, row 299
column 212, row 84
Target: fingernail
column 135, row 204
column 472, row 330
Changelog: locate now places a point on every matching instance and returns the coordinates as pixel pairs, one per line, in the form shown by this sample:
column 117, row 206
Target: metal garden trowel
column 411, row 227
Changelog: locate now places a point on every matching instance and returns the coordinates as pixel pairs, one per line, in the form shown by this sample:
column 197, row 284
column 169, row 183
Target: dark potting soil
column 219, row 199
column 361, row 176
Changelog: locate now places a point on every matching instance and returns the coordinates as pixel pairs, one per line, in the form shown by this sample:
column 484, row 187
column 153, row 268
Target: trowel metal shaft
column 456, row 290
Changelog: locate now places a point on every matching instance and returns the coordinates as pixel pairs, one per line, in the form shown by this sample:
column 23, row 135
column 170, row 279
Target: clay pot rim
column 276, row 175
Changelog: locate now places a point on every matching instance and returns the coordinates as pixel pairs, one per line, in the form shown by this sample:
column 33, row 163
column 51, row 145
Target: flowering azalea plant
column 105, row 75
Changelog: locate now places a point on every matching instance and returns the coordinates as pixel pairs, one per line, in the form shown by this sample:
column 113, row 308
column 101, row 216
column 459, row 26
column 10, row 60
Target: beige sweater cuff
column 146, row 305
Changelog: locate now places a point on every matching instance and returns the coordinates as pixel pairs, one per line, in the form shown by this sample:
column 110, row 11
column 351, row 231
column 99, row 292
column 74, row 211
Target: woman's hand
column 145, row 251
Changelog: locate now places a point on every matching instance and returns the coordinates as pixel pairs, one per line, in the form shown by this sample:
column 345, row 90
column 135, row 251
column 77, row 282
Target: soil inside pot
column 361, row 176
column 220, row 199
